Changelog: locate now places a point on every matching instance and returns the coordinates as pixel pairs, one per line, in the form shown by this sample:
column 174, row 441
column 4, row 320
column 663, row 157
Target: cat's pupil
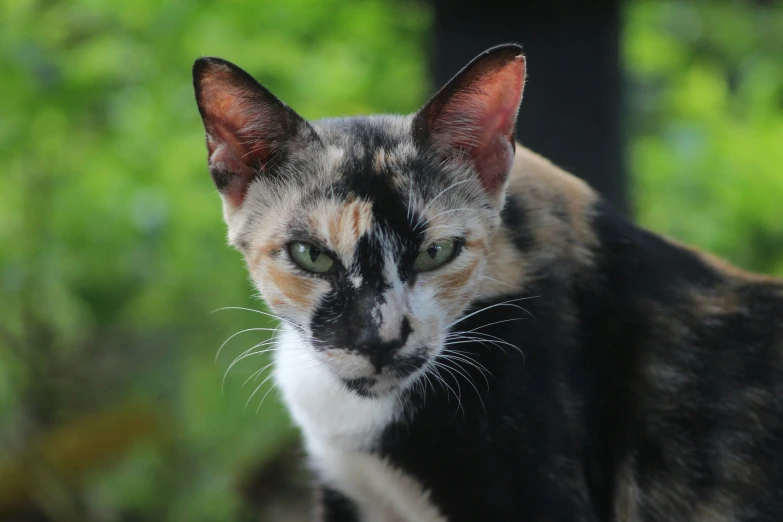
column 433, row 251
column 314, row 254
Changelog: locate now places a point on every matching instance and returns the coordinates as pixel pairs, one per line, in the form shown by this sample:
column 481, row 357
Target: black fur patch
column 515, row 218
column 360, row 385
column 333, row 506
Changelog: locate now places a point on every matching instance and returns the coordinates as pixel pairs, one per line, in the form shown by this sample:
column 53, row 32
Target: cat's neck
column 323, row 407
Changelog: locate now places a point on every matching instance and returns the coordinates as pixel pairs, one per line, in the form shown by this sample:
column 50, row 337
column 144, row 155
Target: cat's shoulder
column 556, row 218
column 533, row 175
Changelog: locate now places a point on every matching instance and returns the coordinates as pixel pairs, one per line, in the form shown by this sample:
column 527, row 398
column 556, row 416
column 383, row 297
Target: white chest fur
column 340, row 428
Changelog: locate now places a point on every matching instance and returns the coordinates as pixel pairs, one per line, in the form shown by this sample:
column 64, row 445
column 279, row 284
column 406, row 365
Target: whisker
column 245, row 355
column 496, row 322
column 248, row 353
column 498, row 281
column 264, row 397
column 495, row 305
column 456, row 381
column 432, row 370
column 419, row 222
column 401, row 403
column 465, row 357
column 485, row 336
column 455, row 210
column 488, row 338
column 256, row 374
column 453, row 185
column 271, row 374
column 273, row 316
column 495, row 342
column 425, row 375
column 241, row 332
column 470, row 381
column 444, row 226
column 422, row 389
column 272, row 387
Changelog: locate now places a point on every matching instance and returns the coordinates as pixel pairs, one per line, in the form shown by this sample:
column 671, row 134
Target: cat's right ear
column 473, row 117
column 248, row 128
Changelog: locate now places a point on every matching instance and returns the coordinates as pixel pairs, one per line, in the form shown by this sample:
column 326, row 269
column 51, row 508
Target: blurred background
column 113, row 256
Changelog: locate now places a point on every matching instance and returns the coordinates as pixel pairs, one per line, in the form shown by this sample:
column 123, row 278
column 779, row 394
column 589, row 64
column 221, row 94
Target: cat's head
column 369, row 235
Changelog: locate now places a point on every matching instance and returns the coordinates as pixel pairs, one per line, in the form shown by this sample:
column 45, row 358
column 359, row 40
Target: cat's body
column 653, row 373
column 559, row 364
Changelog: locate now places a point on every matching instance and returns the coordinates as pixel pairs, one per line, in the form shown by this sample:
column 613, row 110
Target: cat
column 469, row 333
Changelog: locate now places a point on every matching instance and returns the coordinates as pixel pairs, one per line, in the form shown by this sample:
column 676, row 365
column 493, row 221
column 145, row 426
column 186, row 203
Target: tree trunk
column 572, row 107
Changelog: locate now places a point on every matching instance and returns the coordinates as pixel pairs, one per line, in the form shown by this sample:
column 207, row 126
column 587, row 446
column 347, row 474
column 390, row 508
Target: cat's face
column 361, row 255
column 367, row 235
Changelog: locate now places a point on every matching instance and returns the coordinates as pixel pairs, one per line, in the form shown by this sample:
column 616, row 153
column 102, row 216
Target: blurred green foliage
column 706, row 120
column 112, row 249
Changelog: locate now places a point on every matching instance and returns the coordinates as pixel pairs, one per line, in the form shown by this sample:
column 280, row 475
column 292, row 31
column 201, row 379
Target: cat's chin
column 370, row 387
column 376, row 386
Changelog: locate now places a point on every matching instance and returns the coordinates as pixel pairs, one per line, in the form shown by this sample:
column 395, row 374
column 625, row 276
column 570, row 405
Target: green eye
column 311, row 258
column 436, row 255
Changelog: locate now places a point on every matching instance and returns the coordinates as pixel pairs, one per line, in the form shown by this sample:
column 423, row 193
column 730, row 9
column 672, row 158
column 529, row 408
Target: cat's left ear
column 474, row 115
column 248, row 129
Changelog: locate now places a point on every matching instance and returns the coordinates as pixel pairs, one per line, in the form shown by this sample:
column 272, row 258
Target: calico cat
column 471, row 334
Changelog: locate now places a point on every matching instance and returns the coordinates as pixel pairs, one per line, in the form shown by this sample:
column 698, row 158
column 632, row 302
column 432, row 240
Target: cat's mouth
column 394, row 376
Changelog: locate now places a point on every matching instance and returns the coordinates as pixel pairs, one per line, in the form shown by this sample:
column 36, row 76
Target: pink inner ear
column 480, row 120
column 226, row 161
column 503, row 93
column 234, row 142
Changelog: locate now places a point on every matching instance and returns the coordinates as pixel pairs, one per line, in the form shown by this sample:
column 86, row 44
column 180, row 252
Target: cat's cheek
column 429, row 319
column 454, row 288
column 426, row 333
column 287, row 293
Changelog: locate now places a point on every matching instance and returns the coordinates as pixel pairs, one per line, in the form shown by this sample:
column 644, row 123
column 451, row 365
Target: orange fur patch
column 476, row 244
column 506, row 270
column 296, row 289
column 264, row 250
column 347, row 223
column 450, row 285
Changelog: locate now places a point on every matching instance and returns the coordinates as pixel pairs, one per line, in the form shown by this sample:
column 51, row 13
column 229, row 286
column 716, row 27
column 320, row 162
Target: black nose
column 381, row 353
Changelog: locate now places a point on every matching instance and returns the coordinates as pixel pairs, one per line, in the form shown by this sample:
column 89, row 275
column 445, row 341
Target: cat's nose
column 381, row 353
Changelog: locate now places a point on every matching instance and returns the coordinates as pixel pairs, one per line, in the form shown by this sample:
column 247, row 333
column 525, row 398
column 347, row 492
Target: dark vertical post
column 572, row 109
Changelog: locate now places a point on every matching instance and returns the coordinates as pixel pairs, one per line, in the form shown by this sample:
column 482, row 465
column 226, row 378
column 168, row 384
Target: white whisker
column 495, row 305
column 499, row 281
column 250, row 353
column 467, row 378
column 256, row 374
column 273, row 316
column 464, row 358
column 271, row 374
column 241, row 332
column 496, row 322
column 454, row 210
column 424, row 210
column 456, row 381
